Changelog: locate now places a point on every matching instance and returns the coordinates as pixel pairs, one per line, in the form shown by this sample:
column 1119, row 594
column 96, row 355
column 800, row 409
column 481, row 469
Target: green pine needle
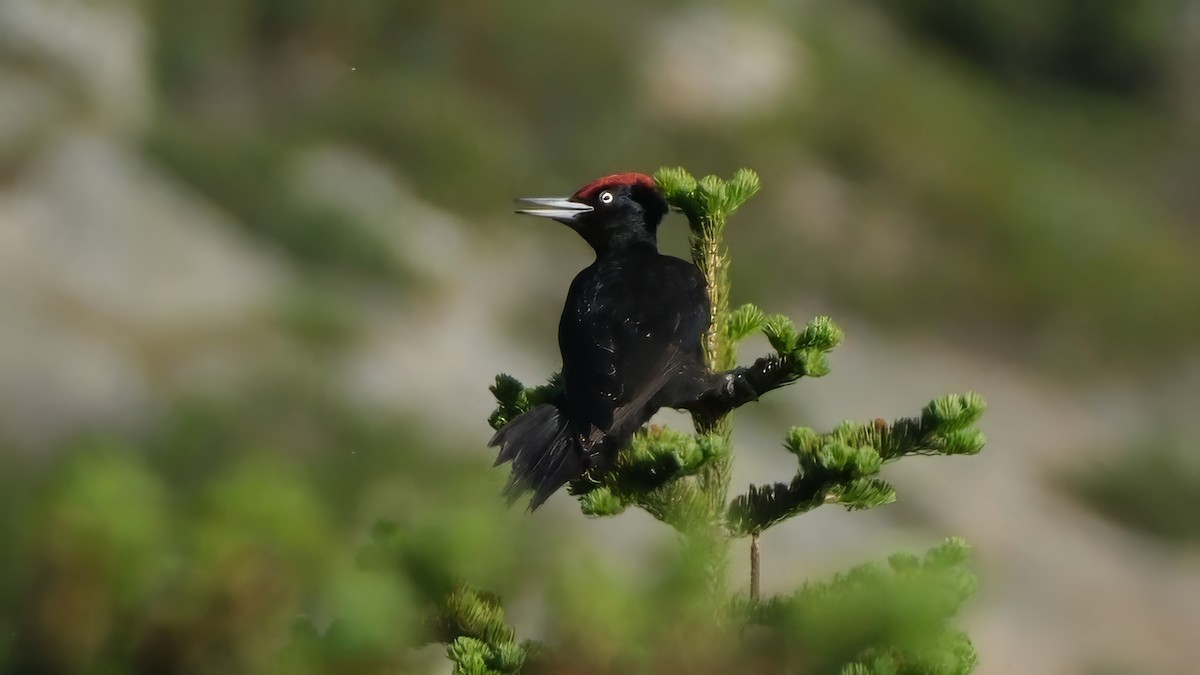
column 741, row 187
column 821, row 333
column 676, row 184
column 601, row 502
column 508, row 657
column 469, row 656
column 781, row 333
column 514, row 398
column 862, row 493
column 743, row 321
column 710, row 195
column 839, row 467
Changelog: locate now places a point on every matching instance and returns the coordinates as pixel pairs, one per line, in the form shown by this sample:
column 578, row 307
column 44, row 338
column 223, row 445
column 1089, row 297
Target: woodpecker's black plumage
column 630, row 337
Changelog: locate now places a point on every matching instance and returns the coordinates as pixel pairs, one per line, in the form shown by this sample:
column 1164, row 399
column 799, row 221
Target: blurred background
column 258, row 267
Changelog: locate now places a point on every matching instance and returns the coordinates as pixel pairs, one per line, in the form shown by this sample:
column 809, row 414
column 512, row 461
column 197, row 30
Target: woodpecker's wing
column 626, row 330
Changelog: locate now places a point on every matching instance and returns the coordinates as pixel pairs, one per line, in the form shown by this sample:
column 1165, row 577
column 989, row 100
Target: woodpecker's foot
column 729, row 390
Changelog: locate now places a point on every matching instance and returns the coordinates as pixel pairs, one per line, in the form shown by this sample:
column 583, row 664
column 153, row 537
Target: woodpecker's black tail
column 543, row 452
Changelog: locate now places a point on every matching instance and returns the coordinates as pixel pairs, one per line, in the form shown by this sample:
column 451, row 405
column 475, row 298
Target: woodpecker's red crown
column 589, row 191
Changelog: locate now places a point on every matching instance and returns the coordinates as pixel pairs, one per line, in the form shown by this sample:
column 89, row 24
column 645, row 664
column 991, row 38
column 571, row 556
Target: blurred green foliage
column 875, row 620
column 1152, row 488
column 1115, row 45
column 245, row 175
column 233, row 538
column 1038, row 216
column 195, row 547
column 1001, row 170
column 1004, row 167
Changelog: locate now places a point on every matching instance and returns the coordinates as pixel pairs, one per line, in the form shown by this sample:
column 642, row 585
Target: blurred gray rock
column 56, row 378
column 30, row 110
column 100, row 46
column 352, row 182
column 721, row 65
column 423, row 354
column 113, row 279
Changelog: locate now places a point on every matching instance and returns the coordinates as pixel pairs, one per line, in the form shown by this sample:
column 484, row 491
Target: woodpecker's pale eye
column 606, row 197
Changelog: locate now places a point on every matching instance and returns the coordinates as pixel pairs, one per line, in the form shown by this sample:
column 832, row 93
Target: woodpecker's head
column 608, row 212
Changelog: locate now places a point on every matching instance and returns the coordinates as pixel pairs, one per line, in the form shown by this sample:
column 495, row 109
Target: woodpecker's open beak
column 557, row 208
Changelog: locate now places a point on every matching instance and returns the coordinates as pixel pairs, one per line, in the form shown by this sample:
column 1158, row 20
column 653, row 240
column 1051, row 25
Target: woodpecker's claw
column 558, row 208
